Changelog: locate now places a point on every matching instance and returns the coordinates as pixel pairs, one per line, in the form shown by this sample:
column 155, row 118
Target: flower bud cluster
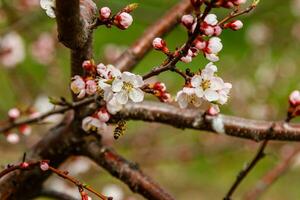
column 160, row 91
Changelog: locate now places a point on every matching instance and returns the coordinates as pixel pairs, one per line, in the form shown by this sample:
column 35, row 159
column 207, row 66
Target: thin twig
column 242, row 174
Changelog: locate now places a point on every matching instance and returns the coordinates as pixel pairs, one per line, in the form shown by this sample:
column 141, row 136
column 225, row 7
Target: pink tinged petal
column 117, row 85
column 182, row 99
column 81, row 94
column 113, row 106
column 122, row 97
column 211, row 95
column 196, row 81
column 216, row 83
column 212, row 57
column 199, row 92
column 136, row 95
column 211, row 19
column 108, row 94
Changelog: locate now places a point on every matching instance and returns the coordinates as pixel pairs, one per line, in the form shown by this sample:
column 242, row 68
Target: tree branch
column 124, row 170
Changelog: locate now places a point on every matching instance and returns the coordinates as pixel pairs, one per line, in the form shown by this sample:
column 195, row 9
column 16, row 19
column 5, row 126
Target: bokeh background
column 261, row 61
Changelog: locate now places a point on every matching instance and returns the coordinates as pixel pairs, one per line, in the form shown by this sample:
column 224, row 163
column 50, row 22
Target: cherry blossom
column 160, row 44
column 187, row 21
column 14, row 113
column 12, row 50
column 48, row 6
column 234, row 25
column 78, row 86
column 108, row 71
column 103, row 115
column 93, row 124
column 13, row 138
column 187, row 96
column 91, row 87
column 123, row 20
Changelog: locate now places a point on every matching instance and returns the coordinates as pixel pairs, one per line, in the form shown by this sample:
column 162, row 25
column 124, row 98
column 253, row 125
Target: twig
column 242, row 174
column 272, row 176
column 64, row 174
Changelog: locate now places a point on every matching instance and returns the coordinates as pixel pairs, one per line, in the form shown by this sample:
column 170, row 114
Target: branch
column 222, row 124
column 242, row 174
column 141, row 47
column 270, row 177
column 124, row 170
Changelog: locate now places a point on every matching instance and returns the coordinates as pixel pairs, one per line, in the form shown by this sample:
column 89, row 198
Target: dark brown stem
column 242, row 174
column 124, row 170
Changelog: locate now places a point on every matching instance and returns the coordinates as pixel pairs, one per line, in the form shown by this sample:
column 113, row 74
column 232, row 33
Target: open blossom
column 105, row 12
column 93, row 124
column 187, row 96
column 12, row 50
column 48, row 6
column 78, row 86
column 123, row 20
column 210, row 87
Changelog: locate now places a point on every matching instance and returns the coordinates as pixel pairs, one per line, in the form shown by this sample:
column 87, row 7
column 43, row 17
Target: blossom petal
column 117, row 85
column 199, row 92
column 113, row 106
column 181, row 98
column 211, row 95
column 122, row 97
column 136, row 95
column 196, row 81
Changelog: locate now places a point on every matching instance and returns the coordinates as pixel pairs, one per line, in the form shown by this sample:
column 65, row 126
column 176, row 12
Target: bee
column 120, row 129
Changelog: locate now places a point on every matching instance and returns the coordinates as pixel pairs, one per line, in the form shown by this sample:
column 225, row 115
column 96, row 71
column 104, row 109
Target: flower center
column 205, row 84
column 127, row 86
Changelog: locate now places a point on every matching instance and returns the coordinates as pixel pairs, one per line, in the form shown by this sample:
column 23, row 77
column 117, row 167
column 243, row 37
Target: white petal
column 188, row 91
column 136, row 95
column 50, row 12
column 212, row 57
column 117, row 85
column 122, row 97
column 113, row 106
column 211, row 95
column 45, row 4
column 196, row 81
column 127, row 76
column 137, row 81
column 182, row 99
column 199, row 92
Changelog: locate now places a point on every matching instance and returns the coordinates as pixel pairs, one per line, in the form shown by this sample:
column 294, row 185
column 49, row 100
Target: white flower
column 49, row 6
column 12, row 50
column 78, row 86
column 108, row 71
column 128, row 87
column 214, row 45
column 93, row 124
column 211, row 19
column 123, row 20
column 188, row 96
column 206, row 84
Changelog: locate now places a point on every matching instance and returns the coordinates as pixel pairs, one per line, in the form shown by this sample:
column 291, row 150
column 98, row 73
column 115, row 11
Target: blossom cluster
column 13, row 115
column 117, row 89
column 204, row 86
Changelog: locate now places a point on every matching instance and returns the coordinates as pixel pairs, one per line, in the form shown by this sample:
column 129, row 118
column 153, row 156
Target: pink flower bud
column 200, row 44
column 160, row 44
column 213, row 110
column 44, row 166
column 159, row 86
column 78, row 86
column 88, row 65
column 103, row 115
column 123, row 20
column 234, row 25
column 14, row 113
column 207, row 29
column 12, row 138
column 294, row 98
column 105, row 13
column 24, row 165
column 217, row 30
column 25, row 129
column 91, row 87
column 187, row 21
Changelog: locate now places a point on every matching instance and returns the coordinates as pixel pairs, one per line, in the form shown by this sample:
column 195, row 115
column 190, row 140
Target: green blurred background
column 261, row 61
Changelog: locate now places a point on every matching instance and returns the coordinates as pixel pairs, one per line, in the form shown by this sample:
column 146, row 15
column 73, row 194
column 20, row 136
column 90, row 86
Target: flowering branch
column 124, row 170
column 44, row 166
column 242, row 174
column 271, row 176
